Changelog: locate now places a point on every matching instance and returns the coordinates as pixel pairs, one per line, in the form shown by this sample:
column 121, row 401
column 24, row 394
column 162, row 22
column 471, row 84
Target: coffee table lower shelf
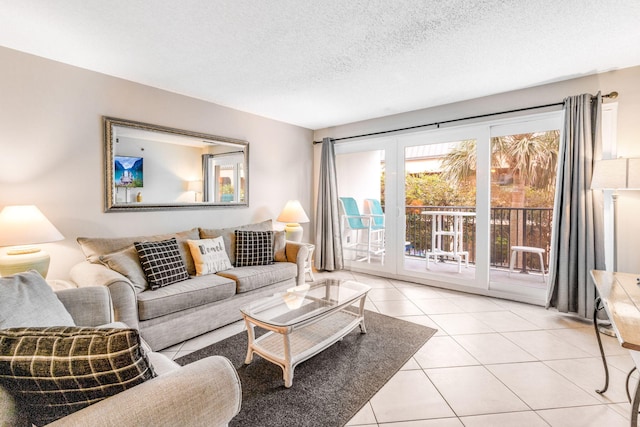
column 288, row 346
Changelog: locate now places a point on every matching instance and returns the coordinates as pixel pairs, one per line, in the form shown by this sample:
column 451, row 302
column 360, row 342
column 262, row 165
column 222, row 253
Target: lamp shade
column 26, row 225
column 293, row 213
column 23, row 226
column 616, row 174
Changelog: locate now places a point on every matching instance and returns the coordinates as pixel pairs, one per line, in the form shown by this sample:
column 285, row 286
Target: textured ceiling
column 319, row 63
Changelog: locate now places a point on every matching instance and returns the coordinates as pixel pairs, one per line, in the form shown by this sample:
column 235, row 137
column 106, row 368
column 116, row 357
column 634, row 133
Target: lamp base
column 293, row 232
column 17, row 260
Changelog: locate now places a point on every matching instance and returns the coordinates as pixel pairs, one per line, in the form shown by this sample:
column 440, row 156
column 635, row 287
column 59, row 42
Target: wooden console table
column 619, row 295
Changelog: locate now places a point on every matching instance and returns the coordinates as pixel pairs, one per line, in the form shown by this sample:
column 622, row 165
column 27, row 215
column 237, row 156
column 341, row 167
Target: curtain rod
column 612, row 95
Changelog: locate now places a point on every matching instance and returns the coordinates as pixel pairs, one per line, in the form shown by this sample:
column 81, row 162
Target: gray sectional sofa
column 183, row 310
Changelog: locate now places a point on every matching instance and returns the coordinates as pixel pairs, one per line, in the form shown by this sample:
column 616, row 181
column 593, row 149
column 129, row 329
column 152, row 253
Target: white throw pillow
column 209, row 255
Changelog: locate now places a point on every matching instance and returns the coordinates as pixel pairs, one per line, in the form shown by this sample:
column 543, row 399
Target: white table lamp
column 616, row 174
column 21, row 227
column 293, row 215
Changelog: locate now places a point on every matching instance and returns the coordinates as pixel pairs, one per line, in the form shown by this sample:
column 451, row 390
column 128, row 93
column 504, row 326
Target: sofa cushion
column 209, row 255
column 229, row 237
column 55, row 371
column 93, row 247
column 161, row 262
column 254, row 248
column 127, row 262
column 27, row 300
column 250, row 278
column 197, row 291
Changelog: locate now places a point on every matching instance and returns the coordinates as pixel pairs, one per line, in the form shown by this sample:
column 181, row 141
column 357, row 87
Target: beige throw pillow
column 209, row 255
column 279, row 244
column 127, row 263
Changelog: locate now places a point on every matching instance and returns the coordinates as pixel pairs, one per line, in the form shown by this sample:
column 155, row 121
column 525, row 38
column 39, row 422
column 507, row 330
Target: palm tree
column 531, row 159
column 459, row 165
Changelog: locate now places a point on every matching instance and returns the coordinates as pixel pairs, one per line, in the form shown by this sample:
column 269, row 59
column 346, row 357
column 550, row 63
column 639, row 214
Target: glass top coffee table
column 303, row 321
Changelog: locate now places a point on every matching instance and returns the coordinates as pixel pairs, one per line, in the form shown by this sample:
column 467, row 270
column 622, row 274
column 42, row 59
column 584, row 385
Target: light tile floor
column 492, row 363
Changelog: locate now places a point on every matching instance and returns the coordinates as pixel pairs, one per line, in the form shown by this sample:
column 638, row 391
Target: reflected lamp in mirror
column 20, row 228
column 293, row 215
column 196, row 187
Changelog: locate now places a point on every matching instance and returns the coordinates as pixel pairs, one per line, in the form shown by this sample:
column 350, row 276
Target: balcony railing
column 509, row 227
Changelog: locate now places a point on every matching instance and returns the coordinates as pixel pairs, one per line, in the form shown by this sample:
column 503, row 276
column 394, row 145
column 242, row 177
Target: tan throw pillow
column 127, row 263
column 279, row 244
column 209, row 255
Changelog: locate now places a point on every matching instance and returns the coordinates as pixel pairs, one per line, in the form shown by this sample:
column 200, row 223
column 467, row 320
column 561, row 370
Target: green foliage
column 539, row 198
column 432, row 190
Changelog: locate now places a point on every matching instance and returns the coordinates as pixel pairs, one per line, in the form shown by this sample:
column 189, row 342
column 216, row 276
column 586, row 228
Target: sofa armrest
column 204, row 393
column 297, row 253
column 123, row 294
column 90, row 306
column 10, row 416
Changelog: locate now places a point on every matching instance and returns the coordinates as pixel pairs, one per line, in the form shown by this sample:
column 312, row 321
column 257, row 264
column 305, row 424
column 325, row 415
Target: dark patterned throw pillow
column 254, row 248
column 161, row 262
column 55, row 371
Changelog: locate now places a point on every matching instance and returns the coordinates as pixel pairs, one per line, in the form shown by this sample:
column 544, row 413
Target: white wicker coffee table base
column 287, row 346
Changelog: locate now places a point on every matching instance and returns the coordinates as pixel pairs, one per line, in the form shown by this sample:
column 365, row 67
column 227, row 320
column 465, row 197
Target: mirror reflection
column 156, row 167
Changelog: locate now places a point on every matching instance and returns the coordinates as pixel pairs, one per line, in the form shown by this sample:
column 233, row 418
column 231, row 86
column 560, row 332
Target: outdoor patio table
column 455, row 247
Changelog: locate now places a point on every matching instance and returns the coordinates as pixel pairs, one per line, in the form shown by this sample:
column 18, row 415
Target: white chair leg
column 542, row 267
column 513, row 261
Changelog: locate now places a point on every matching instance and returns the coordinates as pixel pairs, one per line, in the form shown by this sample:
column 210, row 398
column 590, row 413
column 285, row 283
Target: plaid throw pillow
column 161, row 262
column 254, row 248
column 53, row 372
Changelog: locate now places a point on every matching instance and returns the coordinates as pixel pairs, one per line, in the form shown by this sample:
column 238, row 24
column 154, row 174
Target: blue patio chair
column 353, row 221
column 373, row 208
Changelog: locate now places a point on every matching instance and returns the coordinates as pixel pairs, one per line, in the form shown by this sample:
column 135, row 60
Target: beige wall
column 625, row 81
column 51, row 148
column 51, row 152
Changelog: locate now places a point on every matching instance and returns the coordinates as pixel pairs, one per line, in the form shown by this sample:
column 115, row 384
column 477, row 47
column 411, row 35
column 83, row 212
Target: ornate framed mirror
column 152, row 167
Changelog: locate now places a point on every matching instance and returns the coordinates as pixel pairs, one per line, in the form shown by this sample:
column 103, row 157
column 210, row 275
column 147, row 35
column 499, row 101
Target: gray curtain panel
column 577, row 240
column 328, row 241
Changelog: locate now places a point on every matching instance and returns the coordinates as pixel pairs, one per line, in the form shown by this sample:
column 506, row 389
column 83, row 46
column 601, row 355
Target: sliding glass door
column 440, row 205
column 366, row 225
column 524, row 160
column 466, row 208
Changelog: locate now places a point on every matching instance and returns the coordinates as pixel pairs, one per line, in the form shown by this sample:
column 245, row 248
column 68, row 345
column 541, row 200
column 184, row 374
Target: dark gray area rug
column 328, row 389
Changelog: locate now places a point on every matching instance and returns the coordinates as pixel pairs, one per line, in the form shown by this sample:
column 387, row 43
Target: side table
column 308, row 263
